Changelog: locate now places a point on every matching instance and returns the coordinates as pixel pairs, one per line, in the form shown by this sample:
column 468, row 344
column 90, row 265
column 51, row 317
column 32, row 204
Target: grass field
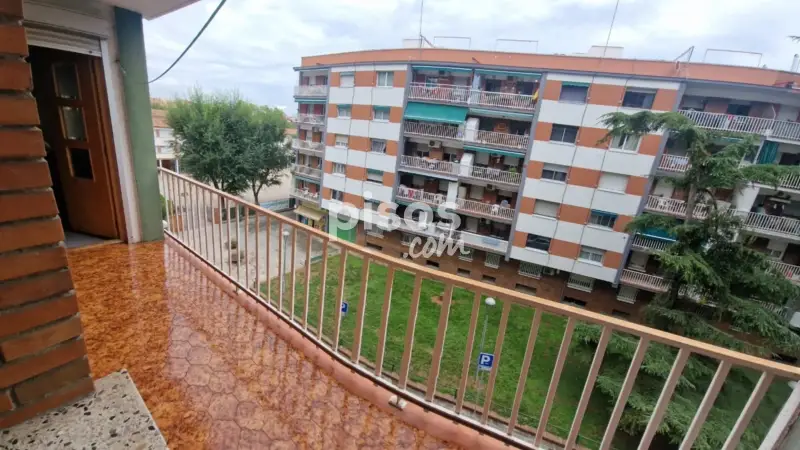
column 545, row 352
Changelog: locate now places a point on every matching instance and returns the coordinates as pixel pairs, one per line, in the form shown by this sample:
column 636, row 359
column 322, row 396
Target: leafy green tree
column 268, row 153
column 212, row 134
column 717, row 285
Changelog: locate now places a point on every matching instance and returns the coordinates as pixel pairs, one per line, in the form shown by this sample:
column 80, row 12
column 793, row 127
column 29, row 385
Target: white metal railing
column 311, row 119
column 790, row 182
column 789, row 271
column 643, row 280
column 515, row 141
column 495, row 175
column 786, row 226
column 308, row 147
column 486, row 209
column 673, row 163
column 434, row 130
column 484, row 242
column 418, row 195
column 531, row 270
column 429, row 165
column 580, row 283
column 311, row 90
column 305, row 194
column 674, row 207
column 430, row 229
column 464, row 95
column 649, row 244
column 306, row 171
column 627, row 294
column 313, row 310
column 745, row 124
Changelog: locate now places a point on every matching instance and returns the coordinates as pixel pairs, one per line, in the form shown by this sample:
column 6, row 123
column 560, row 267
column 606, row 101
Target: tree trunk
column 691, row 201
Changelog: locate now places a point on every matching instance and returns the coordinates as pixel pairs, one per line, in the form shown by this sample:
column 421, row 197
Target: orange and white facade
column 516, row 142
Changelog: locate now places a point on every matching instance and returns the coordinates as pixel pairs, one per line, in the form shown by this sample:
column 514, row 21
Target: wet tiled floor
column 210, row 373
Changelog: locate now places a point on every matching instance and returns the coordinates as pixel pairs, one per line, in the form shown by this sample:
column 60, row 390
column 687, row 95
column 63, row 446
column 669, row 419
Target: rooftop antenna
column 613, row 18
column 421, row 9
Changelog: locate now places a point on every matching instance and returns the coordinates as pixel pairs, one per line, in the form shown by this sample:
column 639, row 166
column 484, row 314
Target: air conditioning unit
column 435, row 144
column 549, row 271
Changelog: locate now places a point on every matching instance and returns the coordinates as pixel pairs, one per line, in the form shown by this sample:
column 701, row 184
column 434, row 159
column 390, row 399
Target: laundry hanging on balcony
column 436, row 113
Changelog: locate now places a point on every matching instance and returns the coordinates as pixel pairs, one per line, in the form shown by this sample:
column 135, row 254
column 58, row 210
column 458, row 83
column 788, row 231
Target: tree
column 268, row 154
column 717, row 284
column 212, row 135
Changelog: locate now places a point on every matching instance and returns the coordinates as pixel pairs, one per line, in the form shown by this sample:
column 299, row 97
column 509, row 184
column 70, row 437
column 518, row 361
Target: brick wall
column 42, row 356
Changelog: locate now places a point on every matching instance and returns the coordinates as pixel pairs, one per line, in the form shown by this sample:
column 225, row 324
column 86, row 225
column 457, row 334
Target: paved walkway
column 210, row 373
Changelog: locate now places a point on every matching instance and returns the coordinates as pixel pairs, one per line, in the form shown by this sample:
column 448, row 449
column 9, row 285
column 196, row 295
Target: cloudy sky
column 252, row 45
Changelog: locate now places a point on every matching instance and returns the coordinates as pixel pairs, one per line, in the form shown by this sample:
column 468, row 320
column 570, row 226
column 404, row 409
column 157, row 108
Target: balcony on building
column 782, row 154
column 311, row 115
column 770, row 120
column 642, row 271
column 473, row 200
column 309, row 148
column 308, row 167
column 483, row 168
column 491, row 89
column 665, row 199
column 312, row 84
column 306, row 191
column 651, row 240
column 774, row 214
column 783, row 256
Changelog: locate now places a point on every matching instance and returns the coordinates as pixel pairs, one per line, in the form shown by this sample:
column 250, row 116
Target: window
column 374, row 247
column 372, row 205
column 538, row 242
column 573, row 93
column 574, row 302
column 531, row 270
column 375, row 175
column 339, row 168
column 385, row 79
column 378, row 146
column 341, row 141
column 626, row 142
column 564, row 133
column 337, row 195
column 580, row 282
column 619, row 314
column 433, row 264
column 380, row 113
column 555, row 172
column 347, row 79
column 493, row 260
column 544, row 208
column 344, row 111
column 462, row 272
column 603, row 219
column 525, row 289
column 592, row 254
column 489, row 279
column 638, row 98
column 613, row 182
column 467, row 254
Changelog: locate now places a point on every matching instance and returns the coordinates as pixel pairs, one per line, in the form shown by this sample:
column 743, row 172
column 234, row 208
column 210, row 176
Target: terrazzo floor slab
column 210, row 373
column 113, row 417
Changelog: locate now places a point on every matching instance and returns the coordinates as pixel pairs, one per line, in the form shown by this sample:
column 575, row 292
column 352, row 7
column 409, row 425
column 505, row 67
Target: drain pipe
column 795, row 63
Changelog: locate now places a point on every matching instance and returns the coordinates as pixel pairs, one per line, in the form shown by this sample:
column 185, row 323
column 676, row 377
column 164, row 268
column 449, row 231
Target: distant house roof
column 160, row 118
column 291, row 131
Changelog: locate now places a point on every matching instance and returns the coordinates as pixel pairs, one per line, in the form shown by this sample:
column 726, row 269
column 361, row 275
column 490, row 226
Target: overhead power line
column 197, row 36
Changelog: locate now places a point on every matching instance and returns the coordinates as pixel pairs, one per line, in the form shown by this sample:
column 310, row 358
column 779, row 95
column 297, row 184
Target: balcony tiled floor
column 210, row 373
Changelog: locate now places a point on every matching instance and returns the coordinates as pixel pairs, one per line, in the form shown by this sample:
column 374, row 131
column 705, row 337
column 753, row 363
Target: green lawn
column 544, row 356
column 545, row 352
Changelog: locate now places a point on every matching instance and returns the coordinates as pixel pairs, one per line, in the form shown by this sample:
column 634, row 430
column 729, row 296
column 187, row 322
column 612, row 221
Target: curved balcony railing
column 464, row 95
column 434, row 130
column 429, row 165
column 307, row 171
column 508, row 140
column 311, row 90
column 490, row 210
column 379, row 349
column 311, row 119
column 652, row 283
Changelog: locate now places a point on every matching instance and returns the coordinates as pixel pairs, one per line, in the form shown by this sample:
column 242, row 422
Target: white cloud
column 252, row 45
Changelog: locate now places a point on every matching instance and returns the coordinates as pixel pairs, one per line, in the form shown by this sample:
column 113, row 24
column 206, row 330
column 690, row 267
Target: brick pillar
column 43, row 360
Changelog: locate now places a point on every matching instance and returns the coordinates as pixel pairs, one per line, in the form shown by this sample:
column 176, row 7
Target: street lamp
column 283, row 263
column 489, row 302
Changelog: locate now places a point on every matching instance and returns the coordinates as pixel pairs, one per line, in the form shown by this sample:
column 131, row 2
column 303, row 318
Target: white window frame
column 626, row 143
column 591, row 254
column 381, row 146
column 373, row 172
column 603, row 220
column 337, row 195
column 580, row 282
column 382, row 110
column 342, row 141
column 651, row 92
column 577, row 130
column 344, row 111
column 555, row 168
column 384, row 79
column 493, row 260
column 347, row 79
column 585, row 94
column 545, row 204
column 613, row 182
column 339, row 169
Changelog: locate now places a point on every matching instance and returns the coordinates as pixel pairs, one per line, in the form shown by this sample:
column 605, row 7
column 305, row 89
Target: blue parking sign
column 485, row 361
column 345, row 307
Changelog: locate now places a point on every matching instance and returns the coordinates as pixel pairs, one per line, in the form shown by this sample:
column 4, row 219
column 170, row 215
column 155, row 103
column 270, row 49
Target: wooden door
column 67, row 93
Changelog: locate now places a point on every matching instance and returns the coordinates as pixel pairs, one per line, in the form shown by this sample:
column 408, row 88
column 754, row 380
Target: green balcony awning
column 313, row 102
column 574, row 84
column 501, row 114
column 436, row 113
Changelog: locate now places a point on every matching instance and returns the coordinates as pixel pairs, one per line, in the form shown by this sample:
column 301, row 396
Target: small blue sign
column 485, row 361
column 345, row 307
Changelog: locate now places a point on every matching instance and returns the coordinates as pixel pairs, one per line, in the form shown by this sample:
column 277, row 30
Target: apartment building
column 164, row 138
column 515, row 142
